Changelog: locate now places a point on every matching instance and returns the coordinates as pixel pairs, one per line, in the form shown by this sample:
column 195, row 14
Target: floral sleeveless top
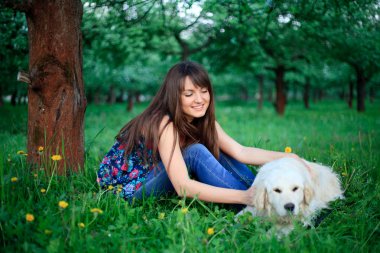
column 124, row 176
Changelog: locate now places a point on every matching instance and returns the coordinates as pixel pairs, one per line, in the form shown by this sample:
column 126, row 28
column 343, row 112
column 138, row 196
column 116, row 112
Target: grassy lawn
column 95, row 221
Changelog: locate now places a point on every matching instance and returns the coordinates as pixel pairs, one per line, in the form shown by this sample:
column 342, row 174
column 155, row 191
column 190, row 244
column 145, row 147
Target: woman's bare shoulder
column 165, row 122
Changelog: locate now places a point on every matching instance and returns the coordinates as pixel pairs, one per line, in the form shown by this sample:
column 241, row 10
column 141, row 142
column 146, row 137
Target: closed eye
column 295, row 188
column 277, row 190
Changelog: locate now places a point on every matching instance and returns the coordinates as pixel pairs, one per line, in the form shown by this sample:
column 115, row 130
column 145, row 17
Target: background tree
column 13, row 54
column 56, row 100
column 347, row 31
column 122, row 50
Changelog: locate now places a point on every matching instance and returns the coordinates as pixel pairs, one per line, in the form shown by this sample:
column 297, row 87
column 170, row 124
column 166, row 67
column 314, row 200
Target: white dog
column 286, row 188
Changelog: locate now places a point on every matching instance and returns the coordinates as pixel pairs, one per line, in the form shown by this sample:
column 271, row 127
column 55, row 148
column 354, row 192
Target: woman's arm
column 179, row 177
column 247, row 155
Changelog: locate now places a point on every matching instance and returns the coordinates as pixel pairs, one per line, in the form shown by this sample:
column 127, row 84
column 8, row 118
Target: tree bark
column 360, row 89
column 56, row 95
column 280, row 90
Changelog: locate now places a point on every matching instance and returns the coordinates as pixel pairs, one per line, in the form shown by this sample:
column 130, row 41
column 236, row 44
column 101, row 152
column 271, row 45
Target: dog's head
column 282, row 187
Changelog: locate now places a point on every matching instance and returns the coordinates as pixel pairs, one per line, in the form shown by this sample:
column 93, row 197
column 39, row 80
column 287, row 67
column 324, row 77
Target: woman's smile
column 195, row 100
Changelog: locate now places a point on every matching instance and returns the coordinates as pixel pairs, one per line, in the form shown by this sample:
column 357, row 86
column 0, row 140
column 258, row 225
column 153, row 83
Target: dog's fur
column 286, row 188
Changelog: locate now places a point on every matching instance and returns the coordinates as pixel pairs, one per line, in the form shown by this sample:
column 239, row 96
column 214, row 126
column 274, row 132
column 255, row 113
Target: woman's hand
column 249, row 194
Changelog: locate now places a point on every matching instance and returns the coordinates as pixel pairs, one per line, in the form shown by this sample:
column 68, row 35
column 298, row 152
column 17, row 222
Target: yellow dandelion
column 288, row 150
column 210, row 231
column 40, row 149
column 184, row 210
column 161, row 216
column 43, row 190
column 56, row 157
column 29, row 217
column 96, row 210
column 48, row 232
column 21, row 152
column 81, row 225
column 63, row 204
column 14, row 179
column 110, row 187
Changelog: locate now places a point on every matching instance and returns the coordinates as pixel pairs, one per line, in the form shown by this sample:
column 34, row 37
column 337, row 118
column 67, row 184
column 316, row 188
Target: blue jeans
column 225, row 172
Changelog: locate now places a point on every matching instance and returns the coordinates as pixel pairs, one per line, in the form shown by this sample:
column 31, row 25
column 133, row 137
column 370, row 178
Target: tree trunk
column 120, row 97
column 260, row 92
column 57, row 101
column 185, row 54
column 244, row 93
column 13, row 98
column 360, row 89
column 350, row 94
column 280, row 90
column 130, row 101
column 306, row 93
column 111, row 99
column 320, row 94
column 138, row 97
column 97, row 96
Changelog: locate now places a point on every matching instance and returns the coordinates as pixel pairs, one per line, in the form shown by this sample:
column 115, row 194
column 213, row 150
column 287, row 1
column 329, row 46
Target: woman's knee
column 195, row 155
column 196, row 147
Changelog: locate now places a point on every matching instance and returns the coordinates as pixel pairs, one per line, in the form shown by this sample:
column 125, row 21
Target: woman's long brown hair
column 168, row 102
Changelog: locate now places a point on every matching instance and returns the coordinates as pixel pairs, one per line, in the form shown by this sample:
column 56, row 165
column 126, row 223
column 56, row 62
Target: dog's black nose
column 289, row 207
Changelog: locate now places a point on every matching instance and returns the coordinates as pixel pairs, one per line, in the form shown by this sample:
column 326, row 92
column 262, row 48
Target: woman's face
column 195, row 100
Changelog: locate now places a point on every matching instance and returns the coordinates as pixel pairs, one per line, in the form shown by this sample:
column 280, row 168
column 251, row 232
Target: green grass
column 329, row 133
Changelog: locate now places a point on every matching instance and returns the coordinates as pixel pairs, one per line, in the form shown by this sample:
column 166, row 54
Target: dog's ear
column 326, row 183
column 308, row 194
column 260, row 197
column 311, row 169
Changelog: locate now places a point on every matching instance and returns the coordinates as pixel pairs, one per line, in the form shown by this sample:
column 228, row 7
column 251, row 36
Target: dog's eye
column 295, row 188
column 277, row 190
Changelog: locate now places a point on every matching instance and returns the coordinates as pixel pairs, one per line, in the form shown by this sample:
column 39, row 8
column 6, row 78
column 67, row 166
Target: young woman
column 176, row 144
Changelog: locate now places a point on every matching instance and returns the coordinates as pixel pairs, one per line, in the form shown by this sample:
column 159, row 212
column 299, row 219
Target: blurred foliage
column 13, row 52
column 128, row 45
